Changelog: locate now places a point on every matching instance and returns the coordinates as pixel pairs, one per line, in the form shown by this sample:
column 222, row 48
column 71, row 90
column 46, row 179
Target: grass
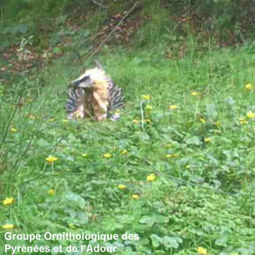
column 203, row 194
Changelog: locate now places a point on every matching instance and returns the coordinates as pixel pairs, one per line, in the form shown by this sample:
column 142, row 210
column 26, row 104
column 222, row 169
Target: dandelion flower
column 174, row 155
column 51, row 192
column 208, row 139
column 8, row 201
column 84, row 155
column 202, row 120
column 195, row 93
column 135, row 122
column 8, row 226
column 250, row 115
column 202, row 251
column 135, row 197
column 121, row 186
column 51, row 159
column 107, row 155
column 173, row 107
column 248, row 86
column 146, row 97
column 148, row 107
column 123, row 152
column 151, row 177
column 13, row 130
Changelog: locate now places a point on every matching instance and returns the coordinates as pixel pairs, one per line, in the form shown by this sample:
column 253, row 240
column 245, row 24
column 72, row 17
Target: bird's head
column 90, row 78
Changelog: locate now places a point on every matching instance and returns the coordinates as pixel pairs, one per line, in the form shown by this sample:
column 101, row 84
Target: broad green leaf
column 156, row 240
column 171, row 242
column 148, row 220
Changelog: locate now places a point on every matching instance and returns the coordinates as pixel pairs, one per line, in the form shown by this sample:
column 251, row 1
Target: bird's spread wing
column 116, row 97
column 73, row 98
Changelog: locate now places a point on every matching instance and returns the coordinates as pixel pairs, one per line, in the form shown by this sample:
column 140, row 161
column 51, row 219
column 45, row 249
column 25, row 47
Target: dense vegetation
column 178, row 167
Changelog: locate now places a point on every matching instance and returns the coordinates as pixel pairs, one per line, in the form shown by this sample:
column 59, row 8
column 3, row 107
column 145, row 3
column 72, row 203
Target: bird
column 94, row 95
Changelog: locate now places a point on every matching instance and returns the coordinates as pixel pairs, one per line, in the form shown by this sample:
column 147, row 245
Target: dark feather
column 72, row 101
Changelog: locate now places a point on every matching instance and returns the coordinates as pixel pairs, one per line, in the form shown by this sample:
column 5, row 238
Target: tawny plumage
column 94, row 95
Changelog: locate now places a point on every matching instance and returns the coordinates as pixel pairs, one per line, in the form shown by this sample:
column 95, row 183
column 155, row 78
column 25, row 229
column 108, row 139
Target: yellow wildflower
column 8, row 226
column 202, row 251
column 173, row 107
column 51, row 119
column 13, row 130
column 135, row 121
column 107, row 155
column 208, row 140
column 146, row 97
column 202, row 120
column 84, row 155
column 174, row 155
column 51, row 159
column 148, row 107
column 250, row 115
column 147, row 120
column 248, row 86
column 135, row 197
column 123, row 152
column 121, row 186
column 51, row 192
column 195, row 93
column 8, row 201
column 151, row 177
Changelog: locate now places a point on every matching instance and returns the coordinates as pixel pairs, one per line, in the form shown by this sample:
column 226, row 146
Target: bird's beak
column 75, row 83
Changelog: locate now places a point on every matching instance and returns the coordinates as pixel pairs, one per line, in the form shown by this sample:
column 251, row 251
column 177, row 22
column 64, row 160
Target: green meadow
column 177, row 169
